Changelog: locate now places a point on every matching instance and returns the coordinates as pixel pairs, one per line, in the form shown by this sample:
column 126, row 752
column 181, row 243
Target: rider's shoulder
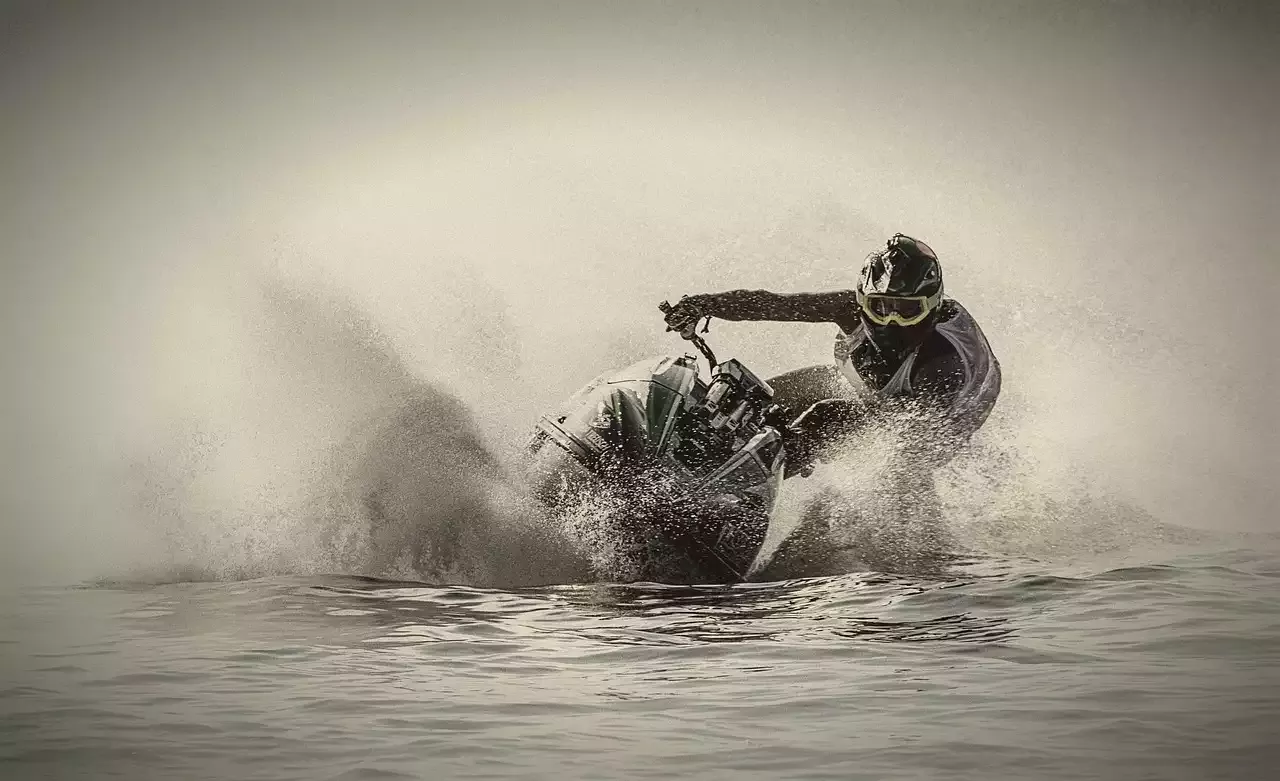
column 950, row 309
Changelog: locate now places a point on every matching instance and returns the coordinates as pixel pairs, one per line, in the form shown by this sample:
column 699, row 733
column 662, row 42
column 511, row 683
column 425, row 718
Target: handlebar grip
column 664, row 307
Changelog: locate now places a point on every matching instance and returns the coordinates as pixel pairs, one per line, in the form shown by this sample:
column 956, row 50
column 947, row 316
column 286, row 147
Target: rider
column 907, row 348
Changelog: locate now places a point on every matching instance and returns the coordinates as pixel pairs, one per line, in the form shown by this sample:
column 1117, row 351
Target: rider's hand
column 684, row 316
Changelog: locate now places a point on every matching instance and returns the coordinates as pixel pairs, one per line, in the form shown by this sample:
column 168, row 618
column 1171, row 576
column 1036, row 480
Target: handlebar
column 692, row 336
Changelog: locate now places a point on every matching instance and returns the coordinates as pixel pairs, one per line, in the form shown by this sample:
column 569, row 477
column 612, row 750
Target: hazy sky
column 488, row 179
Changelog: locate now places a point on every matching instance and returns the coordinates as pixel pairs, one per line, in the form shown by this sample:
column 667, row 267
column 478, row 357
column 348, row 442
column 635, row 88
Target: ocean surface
column 991, row 669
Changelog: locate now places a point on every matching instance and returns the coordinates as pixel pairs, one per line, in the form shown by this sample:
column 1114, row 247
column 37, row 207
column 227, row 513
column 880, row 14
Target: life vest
column 981, row 386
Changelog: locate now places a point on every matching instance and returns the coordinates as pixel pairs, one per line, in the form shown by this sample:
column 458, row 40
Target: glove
column 684, row 316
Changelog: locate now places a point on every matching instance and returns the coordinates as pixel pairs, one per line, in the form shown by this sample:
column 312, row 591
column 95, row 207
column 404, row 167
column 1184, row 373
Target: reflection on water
column 837, row 609
column 357, row 678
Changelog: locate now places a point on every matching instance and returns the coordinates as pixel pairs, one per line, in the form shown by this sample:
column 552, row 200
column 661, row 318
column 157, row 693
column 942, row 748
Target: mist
column 242, row 243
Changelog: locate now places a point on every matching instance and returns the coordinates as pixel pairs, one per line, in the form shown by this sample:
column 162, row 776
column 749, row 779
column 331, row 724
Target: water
column 995, row 668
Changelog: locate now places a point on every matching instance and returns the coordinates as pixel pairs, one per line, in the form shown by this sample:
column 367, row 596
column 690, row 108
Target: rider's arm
column 839, row 306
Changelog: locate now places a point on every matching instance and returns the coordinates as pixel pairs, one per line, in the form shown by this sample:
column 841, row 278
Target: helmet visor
column 904, row 310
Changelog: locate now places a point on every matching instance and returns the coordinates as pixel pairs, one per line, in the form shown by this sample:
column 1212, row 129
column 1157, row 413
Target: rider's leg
column 818, row 404
column 820, row 430
column 797, row 390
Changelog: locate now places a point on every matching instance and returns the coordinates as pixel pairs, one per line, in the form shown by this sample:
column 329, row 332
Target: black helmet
column 901, row 283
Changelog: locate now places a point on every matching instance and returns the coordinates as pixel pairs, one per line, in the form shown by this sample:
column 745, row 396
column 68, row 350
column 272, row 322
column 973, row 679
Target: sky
column 503, row 192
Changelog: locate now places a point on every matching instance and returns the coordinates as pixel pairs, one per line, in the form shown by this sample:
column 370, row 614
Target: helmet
column 901, row 283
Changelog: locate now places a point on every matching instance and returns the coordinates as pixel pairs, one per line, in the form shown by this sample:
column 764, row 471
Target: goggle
column 883, row 309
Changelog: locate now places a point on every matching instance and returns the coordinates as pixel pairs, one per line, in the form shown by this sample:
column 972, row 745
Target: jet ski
column 689, row 468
